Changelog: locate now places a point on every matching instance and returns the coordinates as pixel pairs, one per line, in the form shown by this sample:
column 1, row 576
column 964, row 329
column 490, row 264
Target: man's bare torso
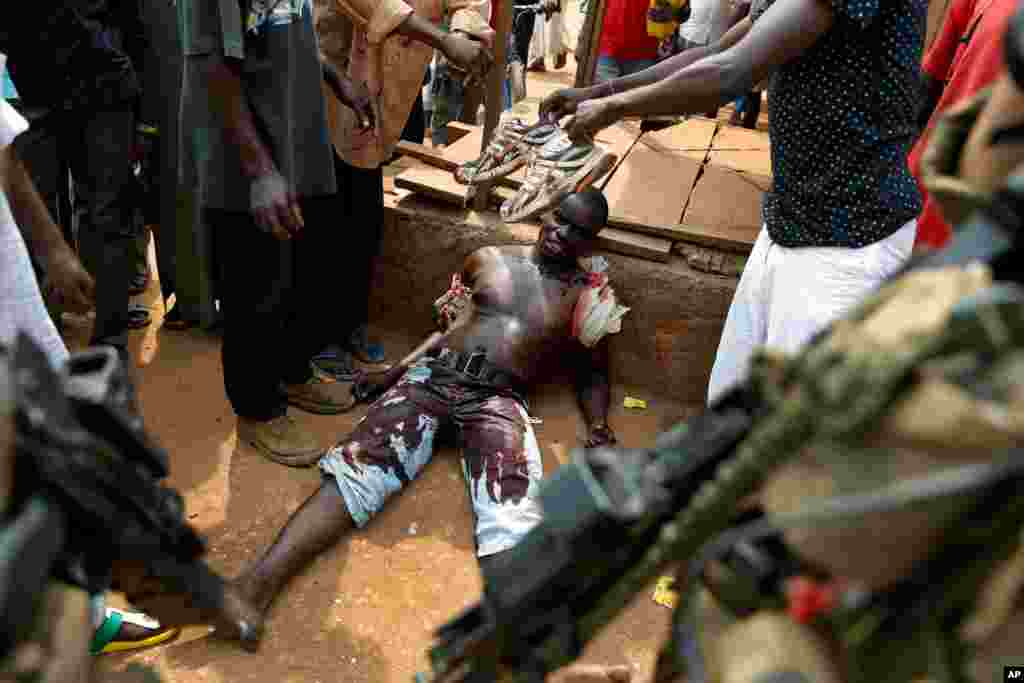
column 522, row 309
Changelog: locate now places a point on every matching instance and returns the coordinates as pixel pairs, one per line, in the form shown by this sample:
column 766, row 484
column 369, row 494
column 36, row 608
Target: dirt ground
column 366, row 610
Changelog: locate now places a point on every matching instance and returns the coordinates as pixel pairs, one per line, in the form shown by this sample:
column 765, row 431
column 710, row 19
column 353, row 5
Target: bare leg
column 316, row 526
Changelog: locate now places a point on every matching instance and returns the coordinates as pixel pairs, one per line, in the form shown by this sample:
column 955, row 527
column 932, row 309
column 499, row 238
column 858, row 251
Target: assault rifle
column 83, row 491
column 615, row 519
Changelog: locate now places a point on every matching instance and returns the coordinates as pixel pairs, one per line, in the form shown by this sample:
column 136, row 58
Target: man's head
column 570, row 231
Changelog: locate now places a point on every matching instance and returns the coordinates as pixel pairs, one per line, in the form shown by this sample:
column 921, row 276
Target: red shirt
column 624, row 34
column 966, row 68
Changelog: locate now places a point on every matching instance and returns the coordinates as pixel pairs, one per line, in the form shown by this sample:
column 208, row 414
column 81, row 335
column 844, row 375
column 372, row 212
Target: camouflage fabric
column 926, row 375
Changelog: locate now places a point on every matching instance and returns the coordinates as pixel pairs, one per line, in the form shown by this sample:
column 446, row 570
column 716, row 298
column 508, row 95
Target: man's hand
column 274, row 206
column 68, row 283
column 561, row 103
column 356, row 97
column 353, row 94
column 591, row 116
column 600, row 434
column 467, row 55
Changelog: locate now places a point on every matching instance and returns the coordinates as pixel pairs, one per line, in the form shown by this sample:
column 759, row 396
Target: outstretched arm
column 785, row 31
column 593, row 390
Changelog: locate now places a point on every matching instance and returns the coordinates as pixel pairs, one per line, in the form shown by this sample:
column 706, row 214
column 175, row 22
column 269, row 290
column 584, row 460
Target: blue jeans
column 609, row 68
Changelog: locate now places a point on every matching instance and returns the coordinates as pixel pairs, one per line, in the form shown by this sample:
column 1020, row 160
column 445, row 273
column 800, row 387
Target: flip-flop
column 336, row 362
column 137, row 317
column 105, row 641
column 560, row 168
column 139, row 283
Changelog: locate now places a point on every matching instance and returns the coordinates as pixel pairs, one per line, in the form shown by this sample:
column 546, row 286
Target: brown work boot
column 321, row 395
column 280, row 440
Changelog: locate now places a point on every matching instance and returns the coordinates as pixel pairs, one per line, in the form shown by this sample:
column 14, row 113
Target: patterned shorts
column 501, row 459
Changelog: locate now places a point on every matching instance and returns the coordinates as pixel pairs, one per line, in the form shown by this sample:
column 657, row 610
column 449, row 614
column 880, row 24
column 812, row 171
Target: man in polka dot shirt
column 844, row 93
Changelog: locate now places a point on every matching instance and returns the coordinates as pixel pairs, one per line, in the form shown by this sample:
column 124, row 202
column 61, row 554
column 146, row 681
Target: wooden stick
column 591, row 34
column 502, row 13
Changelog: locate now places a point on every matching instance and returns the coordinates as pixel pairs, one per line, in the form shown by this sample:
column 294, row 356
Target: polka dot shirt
column 841, row 126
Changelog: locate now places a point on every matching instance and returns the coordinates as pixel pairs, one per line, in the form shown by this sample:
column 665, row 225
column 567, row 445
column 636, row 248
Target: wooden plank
column 428, row 155
column 649, row 190
column 737, row 138
column 440, row 185
column 501, row 20
column 457, row 130
column 589, row 43
column 724, row 211
column 432, row 182
column 692, row 137
column 756, row 163
column 632, row 244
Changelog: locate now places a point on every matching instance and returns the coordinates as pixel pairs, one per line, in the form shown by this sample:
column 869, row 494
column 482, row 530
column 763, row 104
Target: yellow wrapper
column 630, row 402
column 664, row 593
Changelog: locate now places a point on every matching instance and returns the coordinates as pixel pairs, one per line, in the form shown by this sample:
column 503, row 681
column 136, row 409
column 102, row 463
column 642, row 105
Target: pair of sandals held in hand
column 556, row 165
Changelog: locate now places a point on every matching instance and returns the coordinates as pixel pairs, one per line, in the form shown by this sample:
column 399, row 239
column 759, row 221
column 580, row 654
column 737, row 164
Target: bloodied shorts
column 500, row 456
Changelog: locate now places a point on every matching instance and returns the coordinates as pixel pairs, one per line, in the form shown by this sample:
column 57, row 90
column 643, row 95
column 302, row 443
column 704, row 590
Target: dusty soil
column 365, row 611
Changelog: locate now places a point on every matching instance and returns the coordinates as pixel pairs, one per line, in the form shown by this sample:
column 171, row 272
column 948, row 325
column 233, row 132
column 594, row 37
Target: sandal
column 139, row 283
column 137, row 317
column 560, row 168
column 509, row 150
column 336, row 363
column 503, row 155
column 105, row 639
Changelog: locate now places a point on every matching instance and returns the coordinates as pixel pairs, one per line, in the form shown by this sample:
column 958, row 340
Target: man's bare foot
column 592, row 673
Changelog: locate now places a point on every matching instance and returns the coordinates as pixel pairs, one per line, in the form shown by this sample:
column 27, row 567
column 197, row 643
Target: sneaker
column 559, row 168
column 321, row 395
column 280, row 440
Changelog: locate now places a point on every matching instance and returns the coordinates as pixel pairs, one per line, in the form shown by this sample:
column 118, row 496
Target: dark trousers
column 96, row 145
column 274, row 297
column 522, row 32
column 348, row 252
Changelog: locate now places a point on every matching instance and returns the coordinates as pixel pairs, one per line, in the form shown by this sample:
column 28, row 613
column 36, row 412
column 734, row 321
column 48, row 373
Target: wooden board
column 428, row 155
column 724, row 211
column 632, row 244
column 440, row 185
column 692, row 137
column 738, row 138
column 649, row 190
column 756, row 163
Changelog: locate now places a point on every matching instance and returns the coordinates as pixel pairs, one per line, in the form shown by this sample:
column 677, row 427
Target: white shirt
column 705, row 17
column 21, row 303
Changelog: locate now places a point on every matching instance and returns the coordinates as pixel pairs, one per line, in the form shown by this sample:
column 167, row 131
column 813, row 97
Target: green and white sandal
column 106, row 638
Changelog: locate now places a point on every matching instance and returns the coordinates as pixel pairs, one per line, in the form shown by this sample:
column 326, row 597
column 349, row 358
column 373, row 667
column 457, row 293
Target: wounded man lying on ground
column 515, row 314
